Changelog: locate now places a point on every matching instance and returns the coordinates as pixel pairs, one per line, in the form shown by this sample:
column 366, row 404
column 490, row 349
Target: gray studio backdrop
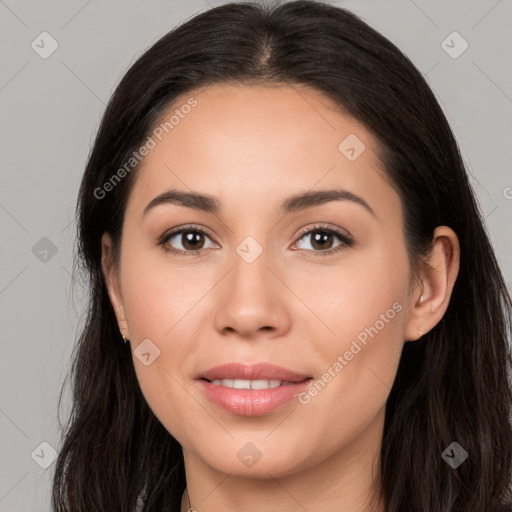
column 61, row 62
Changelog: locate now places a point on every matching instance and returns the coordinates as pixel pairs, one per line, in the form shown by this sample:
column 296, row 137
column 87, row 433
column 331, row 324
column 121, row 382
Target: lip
column 251, row 402
column 252, row 372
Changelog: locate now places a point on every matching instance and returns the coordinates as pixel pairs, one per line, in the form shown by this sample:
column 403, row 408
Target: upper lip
column 260, row 371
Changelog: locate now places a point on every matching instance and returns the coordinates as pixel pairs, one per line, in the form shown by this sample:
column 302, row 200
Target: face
column 319, row 287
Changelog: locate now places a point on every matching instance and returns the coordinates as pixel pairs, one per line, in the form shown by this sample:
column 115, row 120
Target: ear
column 111, row 275
column 431, row 295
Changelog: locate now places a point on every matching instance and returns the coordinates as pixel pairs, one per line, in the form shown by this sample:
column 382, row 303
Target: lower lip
column 251, row 402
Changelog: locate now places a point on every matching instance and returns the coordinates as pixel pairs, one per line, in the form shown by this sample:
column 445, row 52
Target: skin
column 253, row 147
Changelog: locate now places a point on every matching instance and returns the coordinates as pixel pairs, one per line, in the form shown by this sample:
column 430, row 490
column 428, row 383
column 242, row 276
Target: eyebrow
column 298, row 202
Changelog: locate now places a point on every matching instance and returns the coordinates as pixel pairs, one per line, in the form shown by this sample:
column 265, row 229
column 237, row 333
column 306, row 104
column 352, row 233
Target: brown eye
column 185, row 240
column 192, row 240
column 322, row 240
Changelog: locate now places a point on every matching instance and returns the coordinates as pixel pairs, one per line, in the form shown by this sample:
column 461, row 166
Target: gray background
column 50, row 110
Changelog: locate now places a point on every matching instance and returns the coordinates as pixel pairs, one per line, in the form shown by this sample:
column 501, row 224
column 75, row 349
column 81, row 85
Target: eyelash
column 346, row 240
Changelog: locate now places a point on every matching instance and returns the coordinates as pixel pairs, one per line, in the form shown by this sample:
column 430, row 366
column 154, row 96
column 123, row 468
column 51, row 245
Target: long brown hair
column 452, row 385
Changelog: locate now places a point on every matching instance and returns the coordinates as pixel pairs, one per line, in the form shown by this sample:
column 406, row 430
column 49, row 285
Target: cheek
column 160, row 302
column 353, row 295
column 364, row 309
column 159, row 291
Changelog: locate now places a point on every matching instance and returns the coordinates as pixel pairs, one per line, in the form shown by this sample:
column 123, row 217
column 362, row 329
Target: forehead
column 261, row 144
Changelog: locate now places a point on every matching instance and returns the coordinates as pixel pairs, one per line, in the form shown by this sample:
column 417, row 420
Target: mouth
column 251, row 390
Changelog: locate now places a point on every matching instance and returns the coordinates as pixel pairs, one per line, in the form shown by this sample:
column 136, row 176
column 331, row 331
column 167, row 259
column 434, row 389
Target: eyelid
column 323, row 226
column 186, row 227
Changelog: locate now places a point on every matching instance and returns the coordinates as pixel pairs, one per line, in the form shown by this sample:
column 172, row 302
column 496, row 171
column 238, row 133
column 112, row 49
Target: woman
column 276, row 220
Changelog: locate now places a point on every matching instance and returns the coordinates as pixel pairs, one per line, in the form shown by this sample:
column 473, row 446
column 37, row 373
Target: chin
column 253, row 457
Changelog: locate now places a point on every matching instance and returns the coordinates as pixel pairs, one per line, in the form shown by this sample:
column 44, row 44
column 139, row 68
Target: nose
column 251, row 300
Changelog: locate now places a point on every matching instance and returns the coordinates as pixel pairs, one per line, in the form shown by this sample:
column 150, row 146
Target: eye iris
column 320, row 237
column 192, row 237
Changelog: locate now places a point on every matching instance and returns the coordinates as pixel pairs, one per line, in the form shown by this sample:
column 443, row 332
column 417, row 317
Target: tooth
column 242, row 384
column 259, row 384
column 250, row 384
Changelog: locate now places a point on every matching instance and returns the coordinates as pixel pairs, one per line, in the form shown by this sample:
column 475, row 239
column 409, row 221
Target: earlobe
column 111, row 277
column 431, row 296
